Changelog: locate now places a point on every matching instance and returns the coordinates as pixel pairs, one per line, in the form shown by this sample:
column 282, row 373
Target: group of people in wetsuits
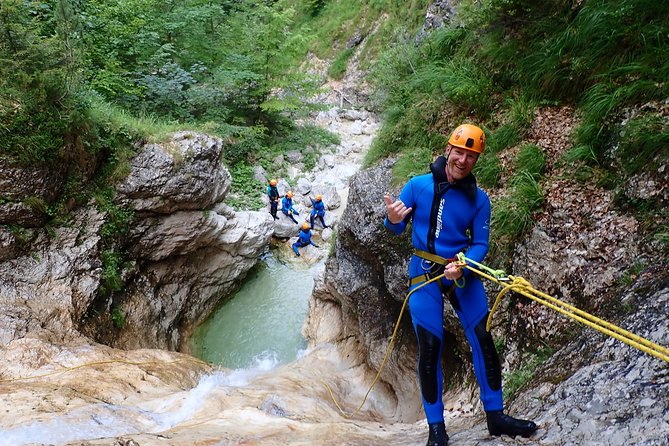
column 317, row 211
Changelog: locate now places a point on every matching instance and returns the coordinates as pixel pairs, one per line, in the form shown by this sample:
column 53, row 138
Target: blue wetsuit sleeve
column 480, row 229
column 407, row 197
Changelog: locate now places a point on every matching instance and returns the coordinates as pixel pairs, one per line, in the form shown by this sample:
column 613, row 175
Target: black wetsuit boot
column 501, row 424
column 438, row 435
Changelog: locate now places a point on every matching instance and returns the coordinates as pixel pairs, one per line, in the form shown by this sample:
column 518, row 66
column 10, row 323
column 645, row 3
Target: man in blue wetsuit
column 304, row 239
column 287, row 206
column 318, row 210
column 450, row 214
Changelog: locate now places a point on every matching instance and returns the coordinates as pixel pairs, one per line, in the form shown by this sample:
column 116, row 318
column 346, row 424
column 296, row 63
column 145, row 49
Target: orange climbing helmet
column 319, row 197
column 272, row 182
column 289, row 194
column 468, row 137
column 306, row 226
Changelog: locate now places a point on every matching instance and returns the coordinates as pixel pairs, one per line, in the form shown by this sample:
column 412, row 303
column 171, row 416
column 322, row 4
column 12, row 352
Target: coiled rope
column 522, row 286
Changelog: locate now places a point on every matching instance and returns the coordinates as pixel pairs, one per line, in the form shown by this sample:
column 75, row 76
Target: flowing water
column 262, row 321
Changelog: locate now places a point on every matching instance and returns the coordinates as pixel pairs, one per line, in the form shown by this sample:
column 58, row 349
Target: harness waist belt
column 419, row 279
column 427, row 276
column 432, row 257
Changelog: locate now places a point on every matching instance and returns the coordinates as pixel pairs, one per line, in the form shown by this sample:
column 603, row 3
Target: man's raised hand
column 397, row 211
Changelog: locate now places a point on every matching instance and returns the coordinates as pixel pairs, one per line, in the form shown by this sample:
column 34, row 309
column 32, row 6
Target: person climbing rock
column 273, row 194
column 287, row 206
column 449, row 215
column 304, row 239
column 318, row 210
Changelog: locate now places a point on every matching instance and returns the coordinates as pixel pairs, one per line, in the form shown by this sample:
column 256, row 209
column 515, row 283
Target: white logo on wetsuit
column 441, row 209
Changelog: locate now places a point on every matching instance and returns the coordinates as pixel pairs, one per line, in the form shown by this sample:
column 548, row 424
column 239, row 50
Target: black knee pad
column 428, row 361
column 493, row 370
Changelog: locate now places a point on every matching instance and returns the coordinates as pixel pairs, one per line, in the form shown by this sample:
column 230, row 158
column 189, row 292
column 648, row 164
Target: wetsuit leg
column 311, row 219
column 322, row 221
column 293, row 218
column 273, row 208
column 295, row 245
column 471, row 305
column 426, row 307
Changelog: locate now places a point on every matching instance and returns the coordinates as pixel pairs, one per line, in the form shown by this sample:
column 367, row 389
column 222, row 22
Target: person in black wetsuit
column 273, row 194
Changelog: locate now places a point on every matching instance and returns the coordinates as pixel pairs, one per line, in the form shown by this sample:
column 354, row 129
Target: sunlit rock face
column 183, row 174
column 27, row 190
column 182, row 251
column 189, row 248
column 46, row 289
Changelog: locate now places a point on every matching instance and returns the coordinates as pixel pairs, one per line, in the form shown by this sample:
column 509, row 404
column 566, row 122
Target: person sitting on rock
column 304, row 239
column 287, row 206
column 273, row 194
column 318, row 210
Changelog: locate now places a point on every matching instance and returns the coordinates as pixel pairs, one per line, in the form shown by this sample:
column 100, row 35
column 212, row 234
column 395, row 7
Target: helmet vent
column 470, row 142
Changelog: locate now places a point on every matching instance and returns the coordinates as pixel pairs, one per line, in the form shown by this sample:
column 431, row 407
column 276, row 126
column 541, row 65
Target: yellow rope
column 89, row 364
column 522, row 286
column 385, row 357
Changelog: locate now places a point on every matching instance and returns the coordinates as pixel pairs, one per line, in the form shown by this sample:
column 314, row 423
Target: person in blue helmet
column 449, row 215
column 273, row 195
column 287, row 206
column 318, row 210
column 304, row 239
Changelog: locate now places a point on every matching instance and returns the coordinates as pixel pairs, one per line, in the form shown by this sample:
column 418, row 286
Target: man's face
column 460, row 162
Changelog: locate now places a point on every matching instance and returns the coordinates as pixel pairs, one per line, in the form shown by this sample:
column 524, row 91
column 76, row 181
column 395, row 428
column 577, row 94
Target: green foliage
column 488, row 170
column 413, row 163
column 314, row 7
column 117, row 221
column 403, row 131
column 645, row 137
column 309, row 139
column 503, row 137
column 416, row 83
column 517, row 379
column 461, row 82
column 118, row 218
column 246, row 143
column 21, row 234
column 338, row 67
column 245, row 191
column 112, row 264
column 38, row 101
column 194, row 60
column 512, row 214
column 604, row 55
column 118, row 317
column 630, row 276
column 531, row 160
